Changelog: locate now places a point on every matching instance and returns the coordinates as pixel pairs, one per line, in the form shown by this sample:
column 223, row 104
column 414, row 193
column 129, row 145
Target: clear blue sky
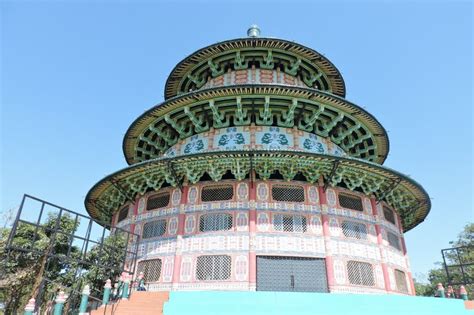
column 74, row 75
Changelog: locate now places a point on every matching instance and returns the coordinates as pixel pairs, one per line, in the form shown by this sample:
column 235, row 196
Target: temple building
column 256, row 173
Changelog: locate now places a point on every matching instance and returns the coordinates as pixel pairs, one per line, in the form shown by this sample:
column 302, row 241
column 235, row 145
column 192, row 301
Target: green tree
column 22, row 271
column 438, row 274
column 111, row 254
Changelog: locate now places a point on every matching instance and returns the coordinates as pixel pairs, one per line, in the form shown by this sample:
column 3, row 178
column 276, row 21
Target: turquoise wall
column 276, row 303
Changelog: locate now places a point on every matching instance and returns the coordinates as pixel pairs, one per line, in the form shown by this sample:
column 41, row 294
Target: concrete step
column 142, row 303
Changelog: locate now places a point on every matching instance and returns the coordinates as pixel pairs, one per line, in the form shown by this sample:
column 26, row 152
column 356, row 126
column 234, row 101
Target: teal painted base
column 279, row 303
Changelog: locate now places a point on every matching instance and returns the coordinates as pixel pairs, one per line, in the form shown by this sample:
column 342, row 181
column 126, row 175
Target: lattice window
column 288, row 193
column 360, row 273
column 158, row 201
column 123, row 214
column 216, row 193
column 350, row 202
column 289, row 223
column 151, row 269
column 393, row 240
column 215, row 222
column 389, row 215
column 154, row 229
column 213, row 267
column 401, row 281
column 354, row 230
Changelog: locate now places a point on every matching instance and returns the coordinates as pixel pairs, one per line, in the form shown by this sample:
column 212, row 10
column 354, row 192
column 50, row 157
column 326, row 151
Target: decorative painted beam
column 309, row 121
column 239, row 62
column 199, row 124
column 311, row 78
column 344, row 134
column 268, row 61
column 329, row 126
column 241, row 117
column 199, row 82
column 293, row 68
column 180, row 128
column 154, row 144
column 392, row 186
column 215, row 70
column 287, row 119
column 266, row 118
column 359, row 151
column 219, row 119
column 122, row 191
column 165, row 135
column 352, row 143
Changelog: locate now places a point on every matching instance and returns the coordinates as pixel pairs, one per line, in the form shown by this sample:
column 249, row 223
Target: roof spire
column 253, row 31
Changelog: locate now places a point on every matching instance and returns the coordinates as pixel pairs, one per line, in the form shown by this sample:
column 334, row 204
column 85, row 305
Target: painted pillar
column 107, row 289
column 402, row 237
column 327, row 237
column 126, row 285
column 134, row 213
column 378, row 230
column 58, row 307
column 84, row 300
column 30, row 307
column 179, row 236
column 252, row 234
column 404, row 248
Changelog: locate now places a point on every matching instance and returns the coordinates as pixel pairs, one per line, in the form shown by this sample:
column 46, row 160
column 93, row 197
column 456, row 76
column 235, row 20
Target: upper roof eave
column 185, row 65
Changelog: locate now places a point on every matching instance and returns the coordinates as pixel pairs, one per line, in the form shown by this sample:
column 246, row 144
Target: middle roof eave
column 136, row 129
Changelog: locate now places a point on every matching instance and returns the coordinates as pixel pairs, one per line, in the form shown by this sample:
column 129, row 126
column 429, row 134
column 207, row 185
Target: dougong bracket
column 331, row 175
column 122, row 191
column 392, row 186
column 175, row 176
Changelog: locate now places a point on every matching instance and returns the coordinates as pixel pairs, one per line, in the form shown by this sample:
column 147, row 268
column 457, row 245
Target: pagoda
column 256, row 173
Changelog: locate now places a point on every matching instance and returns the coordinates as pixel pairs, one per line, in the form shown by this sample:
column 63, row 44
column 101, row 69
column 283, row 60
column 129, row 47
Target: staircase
column 289, row 303
column 142, row 303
